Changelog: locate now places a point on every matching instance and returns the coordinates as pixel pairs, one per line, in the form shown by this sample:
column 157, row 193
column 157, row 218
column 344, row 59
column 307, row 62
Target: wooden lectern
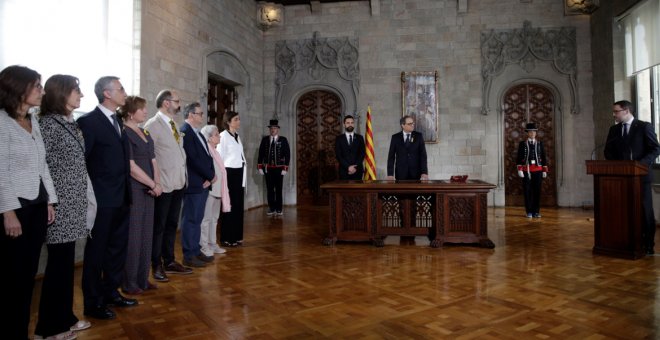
column 618, row 207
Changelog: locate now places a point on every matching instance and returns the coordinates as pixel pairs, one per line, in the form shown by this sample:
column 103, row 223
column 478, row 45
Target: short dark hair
column 190, row 108
column 58, row 88
column 101, row 85
column 348, row 117
column 133, row 103
column 626, row 105
column 227, row 117
column 162, row 97
column 402, row 121
column 15, row 83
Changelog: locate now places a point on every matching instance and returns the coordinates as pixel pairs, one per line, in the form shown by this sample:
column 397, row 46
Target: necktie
column 115, row 123
column 407, row 138
column 206, row 147
column 174, row 131
column 272, row 143
column 350, row 139
column 625, row 130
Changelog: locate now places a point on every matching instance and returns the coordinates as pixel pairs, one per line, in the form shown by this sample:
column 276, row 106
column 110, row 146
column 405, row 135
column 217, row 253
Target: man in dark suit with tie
column 273, row 162
column 407, row 156
column 201, row 175
column 633, row 139
column 350, row 151
column 106, row 153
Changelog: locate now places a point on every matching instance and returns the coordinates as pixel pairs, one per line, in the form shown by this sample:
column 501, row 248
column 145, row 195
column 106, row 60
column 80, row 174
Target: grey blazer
column 170, row 155
column 23, row 163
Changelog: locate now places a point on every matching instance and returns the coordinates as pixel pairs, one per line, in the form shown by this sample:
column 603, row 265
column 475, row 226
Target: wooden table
column 371, row 210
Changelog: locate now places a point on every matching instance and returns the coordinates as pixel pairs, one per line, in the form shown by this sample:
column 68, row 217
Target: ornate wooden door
column 534, row 104
column 319, row 123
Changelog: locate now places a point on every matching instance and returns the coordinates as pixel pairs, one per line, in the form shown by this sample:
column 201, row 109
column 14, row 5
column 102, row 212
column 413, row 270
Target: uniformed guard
column 532, row 168
column 273, row 162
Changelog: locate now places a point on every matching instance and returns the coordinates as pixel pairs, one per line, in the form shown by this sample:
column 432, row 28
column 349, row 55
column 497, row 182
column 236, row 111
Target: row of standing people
column 139, row 178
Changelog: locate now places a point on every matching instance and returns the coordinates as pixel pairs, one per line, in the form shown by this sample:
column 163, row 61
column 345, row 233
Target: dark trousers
column 191, row 223
column 649, row 217
column 21, row 258
column 56, row 304
column 105, row 255
column 231, row 229
column 167, row 210
column 274, row 189
column 532, row 191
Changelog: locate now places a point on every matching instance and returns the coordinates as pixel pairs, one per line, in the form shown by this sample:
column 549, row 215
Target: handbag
column 91, row 205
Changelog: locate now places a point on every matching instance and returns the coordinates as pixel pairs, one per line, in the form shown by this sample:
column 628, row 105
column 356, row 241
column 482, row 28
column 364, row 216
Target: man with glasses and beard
column 171, row 158
column 350, row 151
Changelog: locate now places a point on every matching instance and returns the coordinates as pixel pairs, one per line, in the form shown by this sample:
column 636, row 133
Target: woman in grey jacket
column 27, row 196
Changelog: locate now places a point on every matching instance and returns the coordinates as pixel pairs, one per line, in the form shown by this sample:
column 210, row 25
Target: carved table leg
column 379, row 242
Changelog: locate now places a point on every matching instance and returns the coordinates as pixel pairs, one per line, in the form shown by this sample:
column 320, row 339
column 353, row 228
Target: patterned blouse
column 65, row 155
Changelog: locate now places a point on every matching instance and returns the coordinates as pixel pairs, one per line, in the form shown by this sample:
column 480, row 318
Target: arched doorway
column 318, row 124
column 522, row 104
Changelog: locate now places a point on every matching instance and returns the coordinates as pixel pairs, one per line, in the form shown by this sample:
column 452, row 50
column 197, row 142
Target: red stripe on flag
column 370, row 160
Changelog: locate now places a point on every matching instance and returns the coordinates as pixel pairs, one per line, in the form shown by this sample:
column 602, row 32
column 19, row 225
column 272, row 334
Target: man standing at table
column 350, row 151
column 274, row 157
column 407, row 156
column 633, row 139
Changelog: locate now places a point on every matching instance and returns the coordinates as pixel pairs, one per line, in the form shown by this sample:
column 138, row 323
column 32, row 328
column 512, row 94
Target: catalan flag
column 370, row 160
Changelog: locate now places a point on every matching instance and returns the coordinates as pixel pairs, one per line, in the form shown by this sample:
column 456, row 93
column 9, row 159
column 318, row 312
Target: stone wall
column 183, row 40
column 426, row 35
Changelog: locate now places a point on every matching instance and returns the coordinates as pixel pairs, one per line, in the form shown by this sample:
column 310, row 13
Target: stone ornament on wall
column 579, row 7
column 525, row 47
column 311, row 60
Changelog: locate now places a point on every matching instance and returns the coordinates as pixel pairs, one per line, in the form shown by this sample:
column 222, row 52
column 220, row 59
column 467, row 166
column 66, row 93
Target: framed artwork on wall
column 420, row 100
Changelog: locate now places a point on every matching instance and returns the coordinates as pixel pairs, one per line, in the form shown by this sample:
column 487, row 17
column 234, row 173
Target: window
column 87, row 39
column 648, row 97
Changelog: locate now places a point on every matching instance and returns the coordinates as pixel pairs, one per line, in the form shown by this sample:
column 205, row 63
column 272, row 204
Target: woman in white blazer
column 231, row 151
column 27, row 195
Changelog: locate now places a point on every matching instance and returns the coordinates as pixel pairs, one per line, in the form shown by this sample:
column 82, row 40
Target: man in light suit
column 407, row 156
column 171, row 158
column 350, row 151
column 201, row 175
column 633, row 139
column 106, row 154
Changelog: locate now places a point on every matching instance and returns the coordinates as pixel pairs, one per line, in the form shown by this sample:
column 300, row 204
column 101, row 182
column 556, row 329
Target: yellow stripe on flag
column 370, row 160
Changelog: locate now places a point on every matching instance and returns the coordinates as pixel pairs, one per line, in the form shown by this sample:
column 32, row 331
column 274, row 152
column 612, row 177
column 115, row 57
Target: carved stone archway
column 329, row 64
column 540, row 56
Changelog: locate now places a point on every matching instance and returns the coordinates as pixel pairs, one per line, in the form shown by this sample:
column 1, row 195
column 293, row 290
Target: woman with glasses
column 27, row 196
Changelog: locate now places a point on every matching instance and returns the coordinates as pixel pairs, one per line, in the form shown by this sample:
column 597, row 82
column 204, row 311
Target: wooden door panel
column 522, row 104
column 318, row 124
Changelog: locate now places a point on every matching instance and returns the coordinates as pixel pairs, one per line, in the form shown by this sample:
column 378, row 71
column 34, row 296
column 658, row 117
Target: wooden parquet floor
column 540, row 282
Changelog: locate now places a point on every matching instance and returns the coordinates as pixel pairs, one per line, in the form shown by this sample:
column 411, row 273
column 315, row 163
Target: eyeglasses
column 198, row 113
column 121, row 89
column 411, row 123
column 174, row 100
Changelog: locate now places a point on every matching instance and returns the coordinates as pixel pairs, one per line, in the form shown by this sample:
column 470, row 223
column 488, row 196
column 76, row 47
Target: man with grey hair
column 107, row 162
column 171, row 158
column 201, row 175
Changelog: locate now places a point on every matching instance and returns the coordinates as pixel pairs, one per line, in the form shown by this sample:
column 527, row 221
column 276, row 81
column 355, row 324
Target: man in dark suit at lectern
column 407, row 156
column 350, row 151
column 633, row 139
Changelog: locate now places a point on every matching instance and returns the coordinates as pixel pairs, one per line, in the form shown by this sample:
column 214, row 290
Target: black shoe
column 194, row 262
column 159, row 274
column 204, row 258
column 120, row 301
column 100, row 312
column 176, row 268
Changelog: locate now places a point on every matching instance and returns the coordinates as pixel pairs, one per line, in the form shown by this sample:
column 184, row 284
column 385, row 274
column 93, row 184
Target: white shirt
column 348, row 137
column 108, row 114
column 231, row 152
